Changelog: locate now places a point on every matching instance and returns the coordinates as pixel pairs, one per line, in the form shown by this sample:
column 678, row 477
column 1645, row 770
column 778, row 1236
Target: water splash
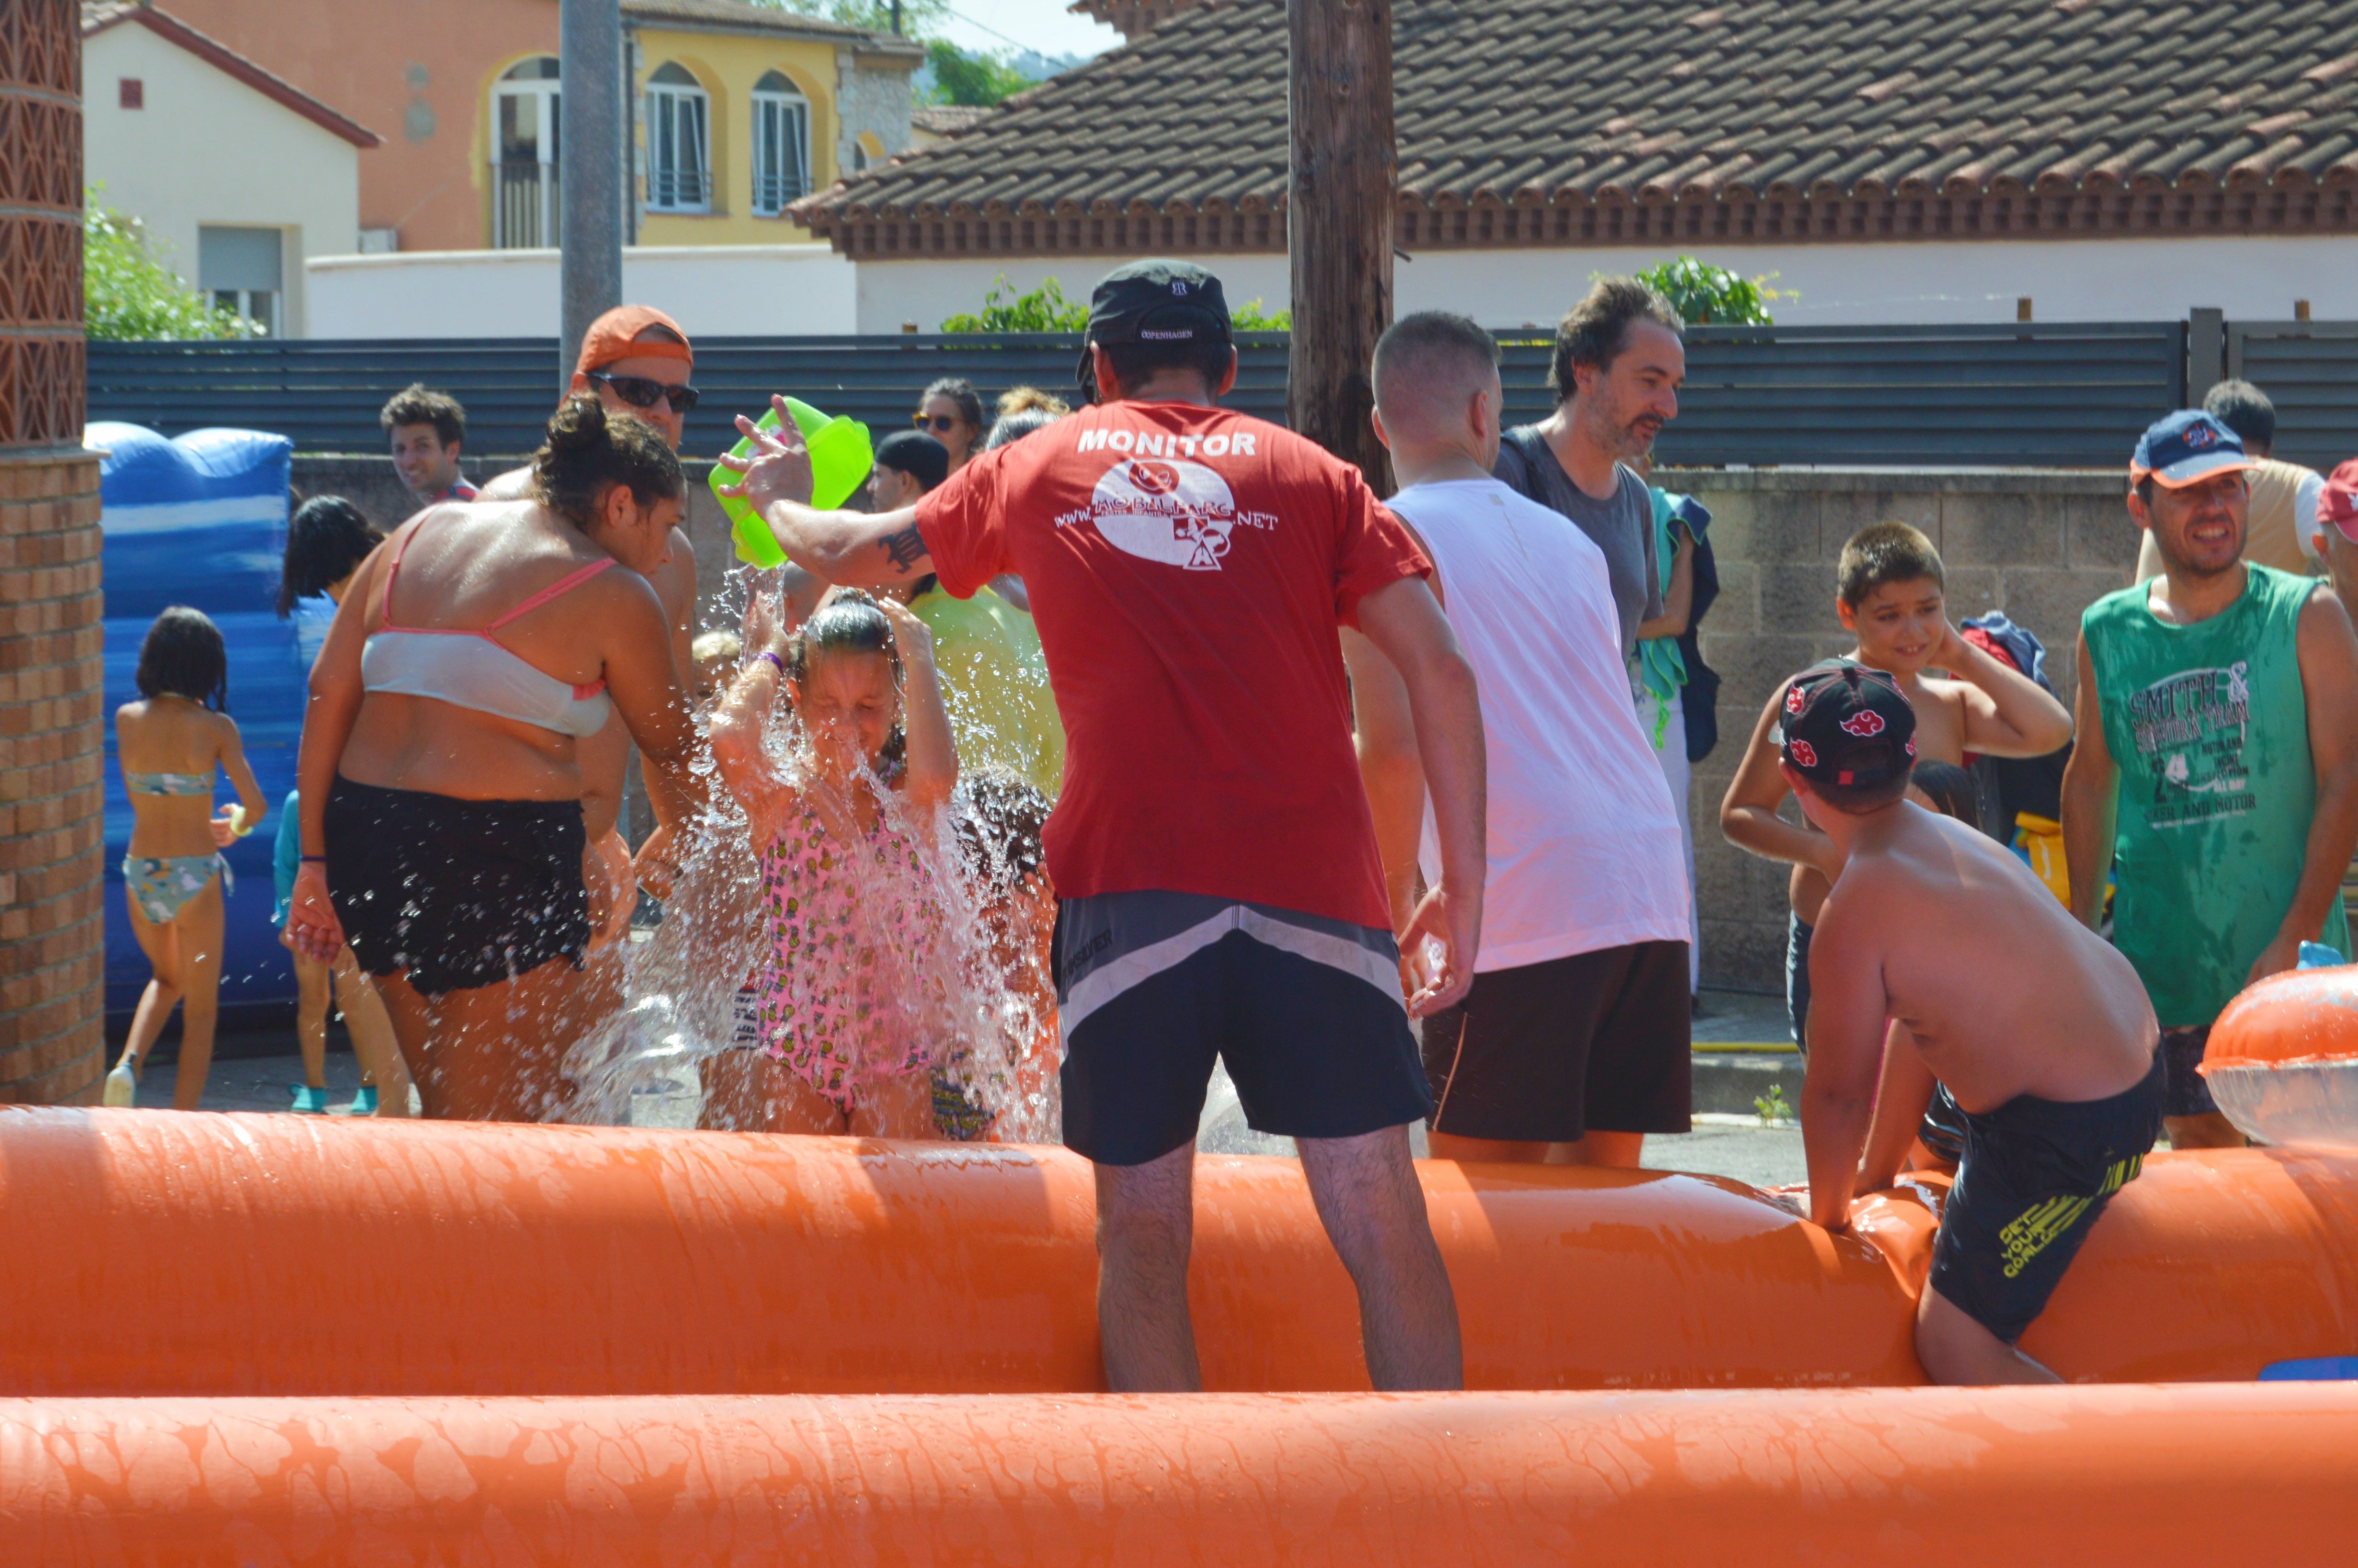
column 948, row 937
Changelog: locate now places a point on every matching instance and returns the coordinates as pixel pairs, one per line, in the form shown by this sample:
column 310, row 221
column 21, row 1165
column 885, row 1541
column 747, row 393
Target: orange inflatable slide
column 159, row 1252
column 234, row 1339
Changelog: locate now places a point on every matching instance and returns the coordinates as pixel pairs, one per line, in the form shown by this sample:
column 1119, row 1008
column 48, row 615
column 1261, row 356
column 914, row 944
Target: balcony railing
column 678, row 190
column 524, row 205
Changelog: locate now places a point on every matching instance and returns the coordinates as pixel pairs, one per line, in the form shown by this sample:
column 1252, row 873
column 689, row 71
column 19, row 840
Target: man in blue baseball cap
column 2216, row 773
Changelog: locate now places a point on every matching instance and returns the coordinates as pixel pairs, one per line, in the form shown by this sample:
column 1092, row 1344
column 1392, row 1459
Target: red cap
column 615, row 336
column 2337, row 504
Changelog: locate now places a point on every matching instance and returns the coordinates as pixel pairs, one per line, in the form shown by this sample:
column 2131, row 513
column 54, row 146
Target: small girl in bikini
column 169, row 742
column 834, row 1019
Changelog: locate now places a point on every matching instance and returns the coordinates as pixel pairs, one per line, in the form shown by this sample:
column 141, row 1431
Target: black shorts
column 2035, row 1176
column 459, row 893
column 1152, row 987
column 1548, row 1052
column 2183, row 1090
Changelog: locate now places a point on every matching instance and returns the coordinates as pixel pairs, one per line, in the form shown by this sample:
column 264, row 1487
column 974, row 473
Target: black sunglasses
column 935, row 421
column 642, row 392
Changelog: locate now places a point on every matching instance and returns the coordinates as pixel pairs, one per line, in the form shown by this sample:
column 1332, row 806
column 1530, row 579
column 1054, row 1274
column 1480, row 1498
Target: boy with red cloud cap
column 638, row 362
column 2216, row 773
column 2054, row 1069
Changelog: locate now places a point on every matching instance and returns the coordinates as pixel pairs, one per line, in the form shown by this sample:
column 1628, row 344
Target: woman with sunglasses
column 951, row 413
column 442, row 773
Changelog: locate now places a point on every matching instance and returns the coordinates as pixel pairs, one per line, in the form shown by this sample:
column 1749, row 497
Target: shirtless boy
column 2055, row 1068
column 1890, row 596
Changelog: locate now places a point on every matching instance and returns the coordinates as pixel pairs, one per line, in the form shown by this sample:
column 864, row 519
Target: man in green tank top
column 2216, row 772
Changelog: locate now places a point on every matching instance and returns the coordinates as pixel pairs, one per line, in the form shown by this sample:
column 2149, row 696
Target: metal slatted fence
column 2062, row 394
column 2309, row 370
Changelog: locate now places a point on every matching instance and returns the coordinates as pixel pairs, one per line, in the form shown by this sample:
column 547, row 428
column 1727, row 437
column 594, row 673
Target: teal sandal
column 308, row 1101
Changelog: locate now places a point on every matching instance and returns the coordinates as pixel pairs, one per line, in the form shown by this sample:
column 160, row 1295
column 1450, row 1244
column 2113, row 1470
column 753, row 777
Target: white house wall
column 207, row 149
column 712, row 290
column 2082, row 280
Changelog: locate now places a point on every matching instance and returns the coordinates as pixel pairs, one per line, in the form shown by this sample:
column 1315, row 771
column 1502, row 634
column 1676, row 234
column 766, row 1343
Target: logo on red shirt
column 1865, row 722
column 1173, row 511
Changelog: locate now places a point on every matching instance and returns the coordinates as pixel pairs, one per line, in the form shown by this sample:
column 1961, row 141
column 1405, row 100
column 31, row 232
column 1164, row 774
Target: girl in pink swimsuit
column 835, row 1020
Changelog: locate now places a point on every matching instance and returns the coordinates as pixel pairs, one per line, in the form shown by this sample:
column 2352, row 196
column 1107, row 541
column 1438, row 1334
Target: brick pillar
column 52, row 925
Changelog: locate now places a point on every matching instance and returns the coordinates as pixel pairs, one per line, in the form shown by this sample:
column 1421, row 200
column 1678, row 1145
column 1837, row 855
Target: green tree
column 1046, row 309
column 1706, row 295
column 130, row 295
column 976, row 80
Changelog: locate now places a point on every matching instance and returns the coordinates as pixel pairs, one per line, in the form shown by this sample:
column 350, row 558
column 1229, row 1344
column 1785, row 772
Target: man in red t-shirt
column 1219, row 890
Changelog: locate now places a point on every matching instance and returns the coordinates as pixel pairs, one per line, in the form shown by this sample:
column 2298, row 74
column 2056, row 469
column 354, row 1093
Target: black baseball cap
column 1846, row 725
column 915, row 453
column 1154, row 301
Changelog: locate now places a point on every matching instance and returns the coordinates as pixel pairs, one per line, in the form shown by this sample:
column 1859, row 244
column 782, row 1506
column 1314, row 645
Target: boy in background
column 2056, row 1070
column 1891, row 595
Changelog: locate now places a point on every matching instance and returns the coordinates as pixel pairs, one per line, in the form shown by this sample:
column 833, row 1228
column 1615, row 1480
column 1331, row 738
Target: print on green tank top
column 2210, row 734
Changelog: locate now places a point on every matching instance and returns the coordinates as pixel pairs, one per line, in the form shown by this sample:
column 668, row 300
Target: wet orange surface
column 2084, row 1477
column 2306, row 1015
column 157, row 1253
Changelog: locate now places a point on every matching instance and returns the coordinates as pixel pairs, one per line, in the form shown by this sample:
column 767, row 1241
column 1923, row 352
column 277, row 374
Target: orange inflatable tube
column 159, row 1253
column 2143, row 1476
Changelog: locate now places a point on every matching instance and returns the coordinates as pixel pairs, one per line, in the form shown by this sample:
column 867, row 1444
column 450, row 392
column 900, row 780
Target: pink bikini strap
column 399, row 550
column 565, row 584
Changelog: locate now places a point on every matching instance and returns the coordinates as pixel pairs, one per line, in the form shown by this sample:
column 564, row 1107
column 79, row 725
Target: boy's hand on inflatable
column 2276, row 958
column 776, row 468
column 1454, row 924
column 311, row 918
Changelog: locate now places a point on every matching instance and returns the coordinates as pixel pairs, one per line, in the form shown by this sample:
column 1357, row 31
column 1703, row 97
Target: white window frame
column 542, row 232
column 775, row 188
column 679, row 119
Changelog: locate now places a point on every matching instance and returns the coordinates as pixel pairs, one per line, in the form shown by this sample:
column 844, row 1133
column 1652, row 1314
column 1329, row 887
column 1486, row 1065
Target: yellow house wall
column 727, row 65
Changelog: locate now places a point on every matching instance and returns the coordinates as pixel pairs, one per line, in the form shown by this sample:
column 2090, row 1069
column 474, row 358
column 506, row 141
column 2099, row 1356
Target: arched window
column 524, row 154
column 679, row 163
column 781, row 144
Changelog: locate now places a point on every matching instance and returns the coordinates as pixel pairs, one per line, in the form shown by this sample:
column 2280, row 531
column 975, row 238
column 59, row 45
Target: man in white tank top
column 1576, row 1034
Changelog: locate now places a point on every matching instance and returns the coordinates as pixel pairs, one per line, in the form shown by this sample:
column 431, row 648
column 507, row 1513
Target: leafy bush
column 1706, row 294
column 1046, row 309
column 130, row 295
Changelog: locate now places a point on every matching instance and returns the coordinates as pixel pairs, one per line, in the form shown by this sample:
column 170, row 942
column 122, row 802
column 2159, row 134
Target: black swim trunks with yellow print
column 2035, row 1176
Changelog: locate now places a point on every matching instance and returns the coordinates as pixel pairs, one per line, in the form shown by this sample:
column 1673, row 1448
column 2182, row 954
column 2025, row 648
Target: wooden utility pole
column 1339, row 222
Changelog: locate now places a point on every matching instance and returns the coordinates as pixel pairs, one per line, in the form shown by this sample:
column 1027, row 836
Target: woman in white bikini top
column 440, row 788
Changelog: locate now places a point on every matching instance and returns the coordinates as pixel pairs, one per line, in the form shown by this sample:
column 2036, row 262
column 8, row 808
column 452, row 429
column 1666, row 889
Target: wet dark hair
column 851, row 622
column 418, row 403
column 960, row 391
column 1884, row 553
column 1014, row 427
column 1595, row 331
column 589, row 451
column 184, row 655
column 2246, row 410
column 997, row 816
column 327, row 539
column 1951, row 788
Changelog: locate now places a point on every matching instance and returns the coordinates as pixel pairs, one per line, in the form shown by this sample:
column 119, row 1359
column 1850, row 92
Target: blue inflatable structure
column 201, row 521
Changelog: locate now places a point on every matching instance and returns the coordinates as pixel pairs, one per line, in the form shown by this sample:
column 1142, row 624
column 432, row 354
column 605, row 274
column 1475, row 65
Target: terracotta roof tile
column 1604, row 121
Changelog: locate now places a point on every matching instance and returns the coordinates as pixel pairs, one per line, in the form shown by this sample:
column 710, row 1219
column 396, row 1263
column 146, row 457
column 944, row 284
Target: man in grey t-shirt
column 1619, row 364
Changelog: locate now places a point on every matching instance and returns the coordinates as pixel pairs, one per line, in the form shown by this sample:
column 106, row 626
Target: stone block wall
column 2040, row 545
